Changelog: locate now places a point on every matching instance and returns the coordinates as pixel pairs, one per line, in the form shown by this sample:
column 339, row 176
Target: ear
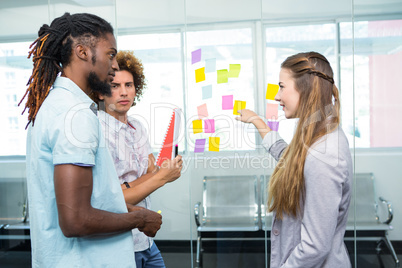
column 82, row 52
column 101, row 97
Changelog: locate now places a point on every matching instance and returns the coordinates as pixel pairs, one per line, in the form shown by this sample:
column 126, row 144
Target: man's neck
column 77, row 78
column 120, row 117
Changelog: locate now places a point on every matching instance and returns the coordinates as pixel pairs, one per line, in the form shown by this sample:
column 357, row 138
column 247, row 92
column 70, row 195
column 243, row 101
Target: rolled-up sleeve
column 274, row 144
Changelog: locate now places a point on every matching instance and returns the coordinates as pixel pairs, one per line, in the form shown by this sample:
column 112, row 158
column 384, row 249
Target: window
column 161, row 55
column 282, row 42
column 370, row 107
column 15, row 71
column 220, row 49
column 377, row 65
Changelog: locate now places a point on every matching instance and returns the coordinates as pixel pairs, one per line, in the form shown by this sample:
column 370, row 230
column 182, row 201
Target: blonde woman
column 309, row 191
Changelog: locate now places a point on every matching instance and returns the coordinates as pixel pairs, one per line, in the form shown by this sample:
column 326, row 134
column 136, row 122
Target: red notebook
column 171, row 138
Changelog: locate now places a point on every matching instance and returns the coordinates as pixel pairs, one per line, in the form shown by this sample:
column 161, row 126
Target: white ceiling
column 22, row 18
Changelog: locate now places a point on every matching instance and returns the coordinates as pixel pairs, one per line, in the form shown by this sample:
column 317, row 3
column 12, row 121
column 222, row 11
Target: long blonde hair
column 318, row 113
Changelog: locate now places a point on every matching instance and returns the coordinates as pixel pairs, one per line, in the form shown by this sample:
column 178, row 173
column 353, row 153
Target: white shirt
column 129, row 146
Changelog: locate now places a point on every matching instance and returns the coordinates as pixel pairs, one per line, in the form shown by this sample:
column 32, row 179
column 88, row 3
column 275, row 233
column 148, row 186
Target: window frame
column 258, row 38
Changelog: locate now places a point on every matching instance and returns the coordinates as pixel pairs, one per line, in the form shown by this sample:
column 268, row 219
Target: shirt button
column 276, row 232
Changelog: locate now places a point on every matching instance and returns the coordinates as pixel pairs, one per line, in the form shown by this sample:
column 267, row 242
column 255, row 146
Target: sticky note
column 271, row 111
column 210, row 65
column 202, row 111
column 200, row 74
column 207, row 92
column 196, row 56
column 272, row 90
column 209, row 126
column 199, row 146
column 238, row 105
column 234, row 70
column 197, row 126
column 227, row 102
column 214, row 144
column 222, row 76
column 274, row 125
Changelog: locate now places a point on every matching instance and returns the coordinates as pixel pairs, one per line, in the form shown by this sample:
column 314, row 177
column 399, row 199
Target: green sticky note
column 234, row 70
column 222, row 76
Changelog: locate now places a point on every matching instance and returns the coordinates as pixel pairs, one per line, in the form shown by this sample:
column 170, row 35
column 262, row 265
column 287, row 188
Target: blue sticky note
column 207, row 92
column 210, row 65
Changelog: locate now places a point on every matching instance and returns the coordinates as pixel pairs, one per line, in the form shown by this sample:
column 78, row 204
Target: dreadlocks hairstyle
column 128, row 62
column 51, row 52
column 318, row 113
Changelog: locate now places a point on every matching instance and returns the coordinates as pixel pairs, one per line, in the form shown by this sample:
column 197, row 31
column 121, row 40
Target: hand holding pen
column 170, row 170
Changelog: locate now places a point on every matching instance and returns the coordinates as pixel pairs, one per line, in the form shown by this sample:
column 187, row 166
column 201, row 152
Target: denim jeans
column 149, row 258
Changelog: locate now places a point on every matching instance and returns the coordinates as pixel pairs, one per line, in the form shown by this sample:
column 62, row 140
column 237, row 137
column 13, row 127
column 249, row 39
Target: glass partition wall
column 210, row 59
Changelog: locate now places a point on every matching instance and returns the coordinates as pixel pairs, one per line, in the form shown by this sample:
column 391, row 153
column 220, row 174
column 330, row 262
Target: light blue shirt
column 67, row 131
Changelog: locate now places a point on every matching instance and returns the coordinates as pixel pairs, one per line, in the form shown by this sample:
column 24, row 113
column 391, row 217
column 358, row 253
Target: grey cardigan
column 315, row 238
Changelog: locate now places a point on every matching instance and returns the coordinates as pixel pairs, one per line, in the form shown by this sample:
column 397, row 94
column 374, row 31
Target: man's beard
column 98, row 86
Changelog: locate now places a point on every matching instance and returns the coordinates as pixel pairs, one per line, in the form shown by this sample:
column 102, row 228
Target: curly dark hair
column 128, row 62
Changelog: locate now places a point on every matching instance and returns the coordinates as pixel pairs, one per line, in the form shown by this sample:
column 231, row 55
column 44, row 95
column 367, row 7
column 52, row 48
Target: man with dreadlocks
column 78, row 215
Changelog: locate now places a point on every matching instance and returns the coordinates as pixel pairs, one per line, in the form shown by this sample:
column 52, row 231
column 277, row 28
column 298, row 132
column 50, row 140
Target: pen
column 176, row 150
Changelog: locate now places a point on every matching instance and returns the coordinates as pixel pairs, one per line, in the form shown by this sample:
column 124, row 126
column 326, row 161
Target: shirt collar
column 69, row 85
column 110, row 121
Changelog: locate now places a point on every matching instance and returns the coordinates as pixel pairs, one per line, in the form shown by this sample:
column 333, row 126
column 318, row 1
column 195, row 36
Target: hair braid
column 322, row 75
column 51, row 52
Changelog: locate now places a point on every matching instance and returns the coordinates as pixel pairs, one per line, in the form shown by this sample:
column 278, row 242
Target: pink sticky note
column 274, row 125
column 196, row 56
column 227, row 102
column 272, row 111
column 209, row 126
column 202, row 111
column 199, row 146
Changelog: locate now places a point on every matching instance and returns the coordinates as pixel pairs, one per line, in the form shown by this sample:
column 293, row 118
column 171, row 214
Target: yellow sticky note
column 214, row 144
column 200, row 75
column 238, row 105
column 234, row 70
column 197, row 126
column 272, row 90
column 222, row 76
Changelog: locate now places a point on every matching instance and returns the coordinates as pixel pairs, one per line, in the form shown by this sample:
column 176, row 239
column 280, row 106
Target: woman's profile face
column 288, row 96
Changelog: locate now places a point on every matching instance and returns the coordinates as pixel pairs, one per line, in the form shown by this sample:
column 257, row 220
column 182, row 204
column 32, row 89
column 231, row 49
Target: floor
column 183, row 260
column 20, row 257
